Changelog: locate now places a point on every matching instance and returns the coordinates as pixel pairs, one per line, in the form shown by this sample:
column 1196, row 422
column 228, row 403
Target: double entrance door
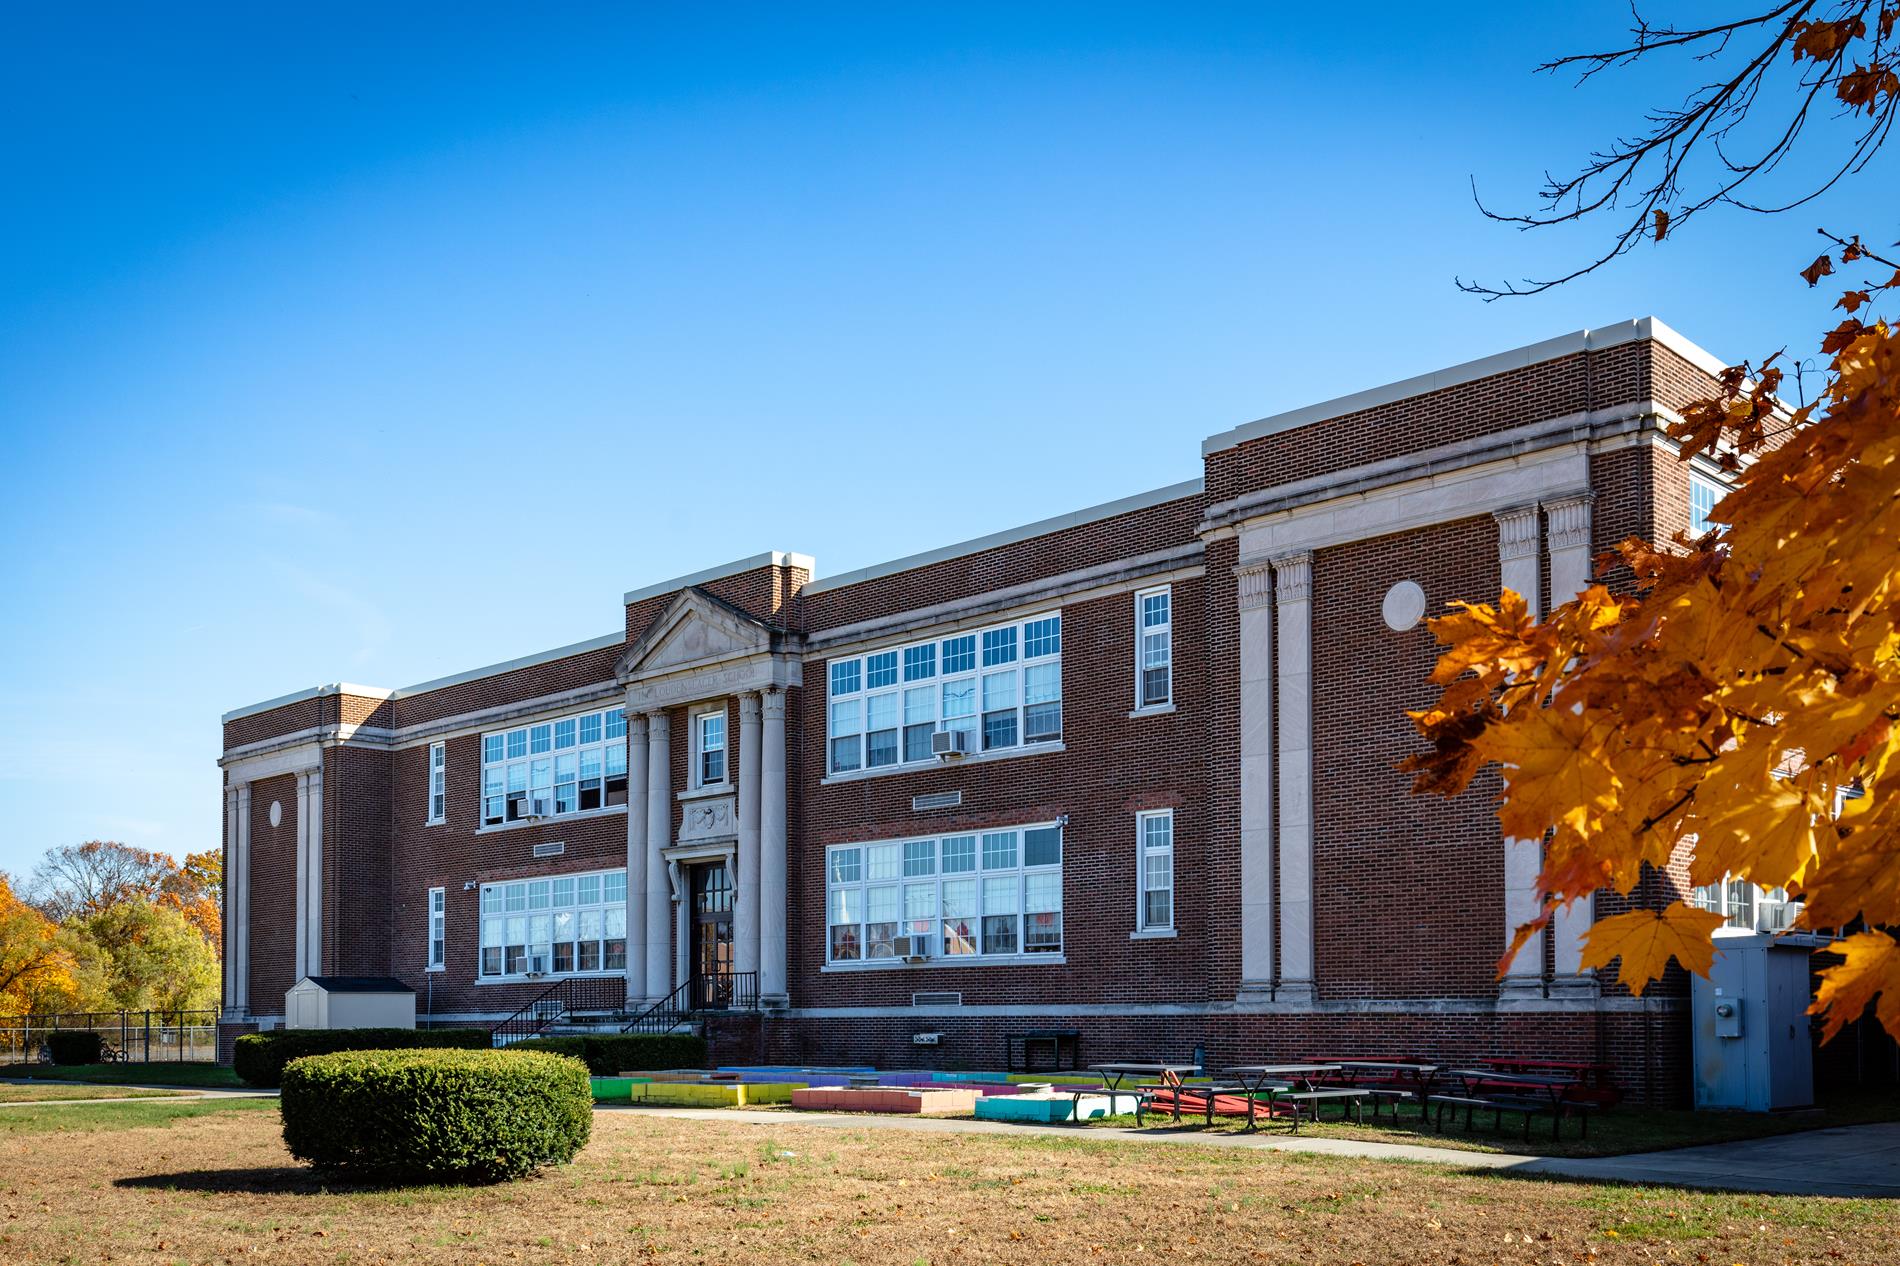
column 709, row 929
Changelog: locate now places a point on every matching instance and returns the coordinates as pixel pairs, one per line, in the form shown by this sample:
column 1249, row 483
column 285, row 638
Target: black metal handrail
column 714, row 991
column 606, row 994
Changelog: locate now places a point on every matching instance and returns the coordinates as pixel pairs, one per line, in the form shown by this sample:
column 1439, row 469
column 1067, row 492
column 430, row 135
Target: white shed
column 350, row 1002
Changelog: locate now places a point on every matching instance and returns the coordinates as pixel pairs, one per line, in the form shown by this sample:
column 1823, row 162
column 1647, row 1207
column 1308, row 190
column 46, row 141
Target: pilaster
column 1518, row 571
column 1254, row 595
column 773, row 991
column 745, row 910
column 659, row 964
column 636, row 857
column 1570, row 532
column 1293, row 608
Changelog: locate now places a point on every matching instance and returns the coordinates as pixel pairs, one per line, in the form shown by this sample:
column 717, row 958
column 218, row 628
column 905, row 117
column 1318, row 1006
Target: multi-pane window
column 1744, row 905
column 438, row 929
column 438, row 782
column 709, row 748
column 1154, row 834
column 955, row 898
column 572, row 923
column 1154, row 647
column 1002, row 687
column 555, row 767
column 1703, row 494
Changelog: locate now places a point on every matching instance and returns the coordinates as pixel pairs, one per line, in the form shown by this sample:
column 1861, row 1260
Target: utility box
column 1752, row 1047
column 349, row 1002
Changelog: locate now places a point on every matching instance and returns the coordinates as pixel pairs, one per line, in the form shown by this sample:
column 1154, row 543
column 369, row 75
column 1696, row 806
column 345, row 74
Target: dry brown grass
column 40, row 1094
column 219, row 1187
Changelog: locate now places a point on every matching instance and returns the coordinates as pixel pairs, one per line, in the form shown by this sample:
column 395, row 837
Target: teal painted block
column 1023, row 1108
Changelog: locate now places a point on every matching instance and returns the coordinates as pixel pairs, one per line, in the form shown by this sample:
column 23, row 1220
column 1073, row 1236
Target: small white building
column 350, row 1002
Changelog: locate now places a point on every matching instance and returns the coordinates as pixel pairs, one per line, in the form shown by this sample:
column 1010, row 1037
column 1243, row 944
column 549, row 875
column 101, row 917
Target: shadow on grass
column 282, row 1180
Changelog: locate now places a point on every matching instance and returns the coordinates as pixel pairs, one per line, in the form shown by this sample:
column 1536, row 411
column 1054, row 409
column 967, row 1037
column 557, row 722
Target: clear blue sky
column 376, row 343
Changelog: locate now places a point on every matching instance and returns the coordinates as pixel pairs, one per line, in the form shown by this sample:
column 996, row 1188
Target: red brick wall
column 1408, row 890
column 273, row 946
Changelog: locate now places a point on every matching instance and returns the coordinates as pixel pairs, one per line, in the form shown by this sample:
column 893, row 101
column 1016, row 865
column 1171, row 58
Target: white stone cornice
column 1517, row 532
column 1293, row 576
column 1255, row 580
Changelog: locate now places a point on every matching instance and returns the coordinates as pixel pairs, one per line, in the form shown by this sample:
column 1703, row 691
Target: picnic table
column 1170, row 1075
column 1554, row 1089
column 1412, row 1077
column 1269, row 1080
column 1595, row 1081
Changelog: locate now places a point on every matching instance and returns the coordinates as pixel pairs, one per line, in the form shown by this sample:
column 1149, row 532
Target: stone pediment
column 697, row 631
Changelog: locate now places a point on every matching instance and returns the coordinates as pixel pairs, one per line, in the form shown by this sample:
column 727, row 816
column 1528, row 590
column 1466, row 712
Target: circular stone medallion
column 1404, row 606
column 277, row 806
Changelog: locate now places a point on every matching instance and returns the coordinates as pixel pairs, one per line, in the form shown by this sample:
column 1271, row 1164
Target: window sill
column 434, row 971
column 1153, row 934
column 701, row 793
column 968, row 960
column 916, row 767
column 435, row 821
column 1152, row 710
column 557, row 820
column 549, row 977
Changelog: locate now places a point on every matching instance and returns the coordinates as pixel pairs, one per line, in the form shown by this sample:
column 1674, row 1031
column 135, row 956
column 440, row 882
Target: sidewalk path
column 1856, row 1160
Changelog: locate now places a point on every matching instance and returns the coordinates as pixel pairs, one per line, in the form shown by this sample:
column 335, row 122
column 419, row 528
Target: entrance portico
column 728, row 848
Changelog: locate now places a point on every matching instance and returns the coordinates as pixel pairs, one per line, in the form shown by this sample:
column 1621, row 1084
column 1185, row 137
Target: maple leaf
column 1647, row 939
column 1869, row 967
column 1823, row 266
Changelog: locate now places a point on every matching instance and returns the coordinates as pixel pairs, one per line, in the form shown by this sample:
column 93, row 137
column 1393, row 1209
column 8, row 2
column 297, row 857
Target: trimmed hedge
column 612, row 1053
column 75, row 1046
column 436, row 1115
column 259, row 1058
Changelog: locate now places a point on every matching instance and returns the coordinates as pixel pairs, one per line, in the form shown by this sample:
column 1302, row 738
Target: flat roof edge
column 1630, row 331
column 313, row 692
column 770, row 558
column 1009, row 536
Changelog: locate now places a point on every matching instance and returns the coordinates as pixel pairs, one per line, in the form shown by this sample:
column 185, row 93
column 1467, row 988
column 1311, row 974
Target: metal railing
column 601, row 995
column 717, row 991
column 136, row 1037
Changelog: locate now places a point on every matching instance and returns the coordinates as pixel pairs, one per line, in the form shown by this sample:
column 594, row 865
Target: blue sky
column 377, row 343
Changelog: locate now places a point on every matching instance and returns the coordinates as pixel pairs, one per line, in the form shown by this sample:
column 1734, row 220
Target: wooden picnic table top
column 1512, row 1079
column 1280, row 1070
column 1399, row 1065
column 1160, row 1070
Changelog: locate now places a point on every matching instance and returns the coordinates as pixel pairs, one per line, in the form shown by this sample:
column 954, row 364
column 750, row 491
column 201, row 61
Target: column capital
column 1517, row 532
column 656, row 720
column 773, row 703
column 1293, row 573
column 1255, row 584
column 748, row 707
column 636, row 725
column 1570, row 521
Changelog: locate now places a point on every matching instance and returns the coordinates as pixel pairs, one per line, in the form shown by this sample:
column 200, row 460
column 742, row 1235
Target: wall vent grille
column 550, row 850
column 937, row 998
column 936, row 800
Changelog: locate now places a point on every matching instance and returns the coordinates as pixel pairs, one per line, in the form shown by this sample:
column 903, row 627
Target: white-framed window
column 964, row 898
column 571, row 765
column 1704, row 492
column 709, row 748
column 438, row 929
column 438, row 783
column 1154, row 647
column 1745, row 905
column 1154, row 842
column 1002, row 686
column 557, row 926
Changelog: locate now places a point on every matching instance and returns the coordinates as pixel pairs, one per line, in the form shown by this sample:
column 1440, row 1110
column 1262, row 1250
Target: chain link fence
column 133, row 1037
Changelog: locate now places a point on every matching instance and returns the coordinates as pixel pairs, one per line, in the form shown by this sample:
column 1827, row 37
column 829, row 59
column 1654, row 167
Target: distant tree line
column 104, row 926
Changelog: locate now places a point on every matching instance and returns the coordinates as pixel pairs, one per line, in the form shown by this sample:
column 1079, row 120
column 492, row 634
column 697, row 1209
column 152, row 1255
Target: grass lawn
column 201, row 1075
column 34, row 1094
column 1615, row 1133
column 217, row 1185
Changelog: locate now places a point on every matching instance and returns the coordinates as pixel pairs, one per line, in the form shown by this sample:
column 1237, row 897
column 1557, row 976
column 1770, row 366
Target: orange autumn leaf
column 1869, row 970
column 1647, row 939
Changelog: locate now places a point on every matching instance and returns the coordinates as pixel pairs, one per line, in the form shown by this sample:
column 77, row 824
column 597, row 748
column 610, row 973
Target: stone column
column 659, row 829
column 745, row 910
column 236, row 929
column 772, row 881
column 1293, row 603
column 1569, row 576
column 1255, row 598
column 677, row 877
column 309, row 921
column 1518, row 571
column 636, row 857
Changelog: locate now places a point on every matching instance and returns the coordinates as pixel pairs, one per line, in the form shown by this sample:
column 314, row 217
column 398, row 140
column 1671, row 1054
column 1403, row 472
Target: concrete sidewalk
column 1856, row 1160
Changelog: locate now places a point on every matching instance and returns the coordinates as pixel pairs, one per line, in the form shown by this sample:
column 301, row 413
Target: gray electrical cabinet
column 1752, row 1047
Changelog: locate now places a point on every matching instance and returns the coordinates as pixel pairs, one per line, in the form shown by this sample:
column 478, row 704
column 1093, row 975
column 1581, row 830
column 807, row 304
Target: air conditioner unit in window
column 912, row 949
column 536, row 808
column 537, row 964
column 949, row 744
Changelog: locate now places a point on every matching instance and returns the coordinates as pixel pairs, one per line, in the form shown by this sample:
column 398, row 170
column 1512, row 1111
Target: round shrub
column 259, row 1058
column 440, row 1115
column 75, row 1046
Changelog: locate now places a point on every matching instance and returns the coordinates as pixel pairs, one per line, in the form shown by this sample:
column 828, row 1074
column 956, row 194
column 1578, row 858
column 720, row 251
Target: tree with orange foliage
column 35, row 964
column 1746, row 696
